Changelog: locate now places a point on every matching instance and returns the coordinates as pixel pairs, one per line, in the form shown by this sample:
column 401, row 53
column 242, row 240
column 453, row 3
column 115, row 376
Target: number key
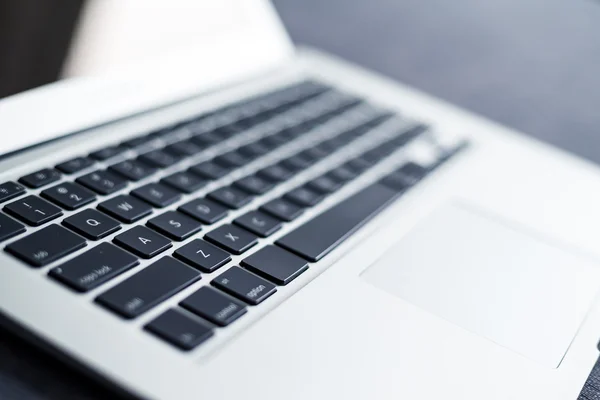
column 133, row 170
column 33, row 210
column 10, row 190
column 69, row 195
column 40, row 178
column 102, row 182
column 75, row 165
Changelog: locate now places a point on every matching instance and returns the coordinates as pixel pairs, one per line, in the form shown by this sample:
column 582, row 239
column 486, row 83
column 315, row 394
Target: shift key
column 149, row 287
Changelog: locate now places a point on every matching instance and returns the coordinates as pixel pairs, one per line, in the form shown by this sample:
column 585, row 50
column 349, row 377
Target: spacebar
column 320, row 235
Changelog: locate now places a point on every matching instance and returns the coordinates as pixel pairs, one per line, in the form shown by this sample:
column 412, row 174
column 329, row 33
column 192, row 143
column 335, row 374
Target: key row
column 35, row 211
column 244, row 115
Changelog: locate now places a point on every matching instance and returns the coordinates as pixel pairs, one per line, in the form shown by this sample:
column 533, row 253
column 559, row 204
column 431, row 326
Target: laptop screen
column 127, row 56
column 114, row 34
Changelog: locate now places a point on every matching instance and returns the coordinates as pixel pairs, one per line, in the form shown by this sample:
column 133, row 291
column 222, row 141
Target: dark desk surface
column 530, row 64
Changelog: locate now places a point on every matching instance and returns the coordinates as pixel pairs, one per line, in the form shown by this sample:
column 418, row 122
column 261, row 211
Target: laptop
column 247, row 219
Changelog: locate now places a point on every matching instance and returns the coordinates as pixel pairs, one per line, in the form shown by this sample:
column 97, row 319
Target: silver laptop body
column 435, row 254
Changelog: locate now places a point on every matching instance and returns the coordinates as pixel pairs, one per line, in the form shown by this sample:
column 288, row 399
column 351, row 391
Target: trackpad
column 492, row 278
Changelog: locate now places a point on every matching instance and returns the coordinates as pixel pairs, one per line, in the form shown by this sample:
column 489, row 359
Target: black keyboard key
column 214, row 306
column 75, row 165
column 9, row 190
column 103, row 182
column 275, row 173
column 358, row 165
column 282, row 209
column 377, row 154
column 149, row 287
column 205, row 139
column 33, row 211
column 94, row 267
column 244, row 285
column 92, row 224
column 209, row 170
column 258, row 223
column 179, row 329
column 230, row 197
column 9, row 227
column 159, row 158
column 254, row 150
column 396, row 181
column 184, row 148
column 108, row 152
column 324, row 184
column 202, row 255
column 46, row 245
column 254, row 184
column 231, row 238
column 143, row 242
column 157, row 194
column 296, row 163
column 185, row 182
column 413, row 171
column 137, row 142
column 314, row 154
column 40, row 178
column 274, row 141
column 175, row 225
column 275, row 264
column 342, row 174
column 69, row 195
column 304, row 197
column 266, row 143
column 206, row 211
column 125, row 208
column 319, row 236
column 133, row 170
column 231, row 160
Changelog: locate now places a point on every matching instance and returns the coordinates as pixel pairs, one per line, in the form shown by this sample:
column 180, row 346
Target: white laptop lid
column 132, row 55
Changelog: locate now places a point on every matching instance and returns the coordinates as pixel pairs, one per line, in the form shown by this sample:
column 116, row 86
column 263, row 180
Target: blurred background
column 529, row 64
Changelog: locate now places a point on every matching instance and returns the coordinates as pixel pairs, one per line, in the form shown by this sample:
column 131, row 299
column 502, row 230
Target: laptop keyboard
column 115, row 190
